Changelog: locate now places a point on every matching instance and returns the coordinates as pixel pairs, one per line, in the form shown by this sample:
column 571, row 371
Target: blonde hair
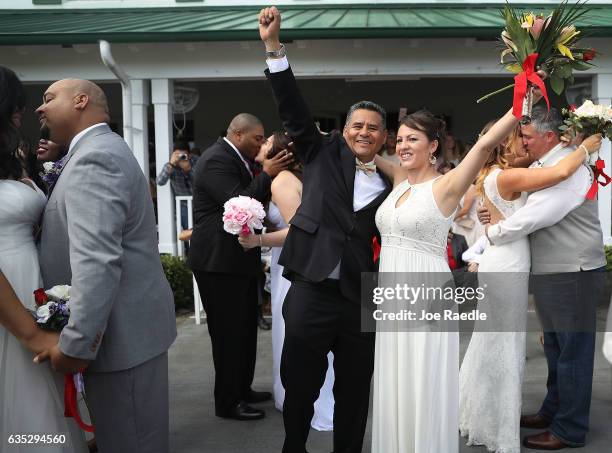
column 497, row 158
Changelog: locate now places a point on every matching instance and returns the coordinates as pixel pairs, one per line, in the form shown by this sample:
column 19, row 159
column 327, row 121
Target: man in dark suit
column 226, row 274
column 330, row 242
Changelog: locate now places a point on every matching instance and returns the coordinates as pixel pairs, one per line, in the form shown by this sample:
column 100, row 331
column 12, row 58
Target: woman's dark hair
column 281, row 141
column 434, row 128
column 12, row 100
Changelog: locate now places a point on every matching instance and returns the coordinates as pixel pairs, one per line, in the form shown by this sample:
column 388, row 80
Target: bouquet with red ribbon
column 53, row 313
column 532, row 42
column 589, row 119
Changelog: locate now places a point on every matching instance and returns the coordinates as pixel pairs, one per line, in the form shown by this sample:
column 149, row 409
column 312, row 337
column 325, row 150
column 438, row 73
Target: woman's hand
column 592, row 143
column 249, row 241
column 42, row 340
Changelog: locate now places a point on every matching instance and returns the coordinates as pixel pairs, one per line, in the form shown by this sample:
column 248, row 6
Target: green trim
column 201, row 23
column 188, row 1
column 46, row 2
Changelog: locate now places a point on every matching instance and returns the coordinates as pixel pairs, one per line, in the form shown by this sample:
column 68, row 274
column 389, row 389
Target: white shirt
column 366, row 188
column 246, row 164
column 545, row 207
column 78, row 136
column 474, row 253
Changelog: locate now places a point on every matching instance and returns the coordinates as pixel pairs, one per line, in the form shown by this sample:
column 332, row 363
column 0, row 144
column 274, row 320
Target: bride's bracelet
column 586, row 152
column 260, row 241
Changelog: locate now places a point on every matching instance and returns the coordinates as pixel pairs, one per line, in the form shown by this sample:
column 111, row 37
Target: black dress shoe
column 243, row 412
column 253, row 397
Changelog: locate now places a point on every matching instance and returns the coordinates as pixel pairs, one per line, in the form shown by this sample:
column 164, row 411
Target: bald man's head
column 246, row 132
column 243, row 122
column 70, row 106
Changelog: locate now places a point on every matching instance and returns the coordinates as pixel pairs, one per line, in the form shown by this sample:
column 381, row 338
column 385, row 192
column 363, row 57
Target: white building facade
column 403, row 54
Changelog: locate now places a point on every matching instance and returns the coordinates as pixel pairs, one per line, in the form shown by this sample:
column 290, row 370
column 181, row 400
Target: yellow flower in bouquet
column 535, row 41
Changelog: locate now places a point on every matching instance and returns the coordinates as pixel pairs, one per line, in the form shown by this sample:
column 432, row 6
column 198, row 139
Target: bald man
column 99, row 236
column 225, row 273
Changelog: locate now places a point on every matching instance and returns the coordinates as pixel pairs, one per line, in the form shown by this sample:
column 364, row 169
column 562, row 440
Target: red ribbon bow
column 375, row 248
column 599, row 166
column 520, row 85
column 71, row 408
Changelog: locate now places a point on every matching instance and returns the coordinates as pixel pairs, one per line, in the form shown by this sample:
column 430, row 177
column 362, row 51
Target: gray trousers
column 129, row 408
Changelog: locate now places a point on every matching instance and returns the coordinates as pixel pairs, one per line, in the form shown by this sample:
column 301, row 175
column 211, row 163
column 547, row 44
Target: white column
column 161, row 95
column 140, row 124
column 602, row 94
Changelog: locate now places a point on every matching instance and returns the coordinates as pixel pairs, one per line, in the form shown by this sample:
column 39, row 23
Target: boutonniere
column 51, row 171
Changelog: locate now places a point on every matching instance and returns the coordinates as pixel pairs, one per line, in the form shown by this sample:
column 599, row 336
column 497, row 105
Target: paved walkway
column 194, row 428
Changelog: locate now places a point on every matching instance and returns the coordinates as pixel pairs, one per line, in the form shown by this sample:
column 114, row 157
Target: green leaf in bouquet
column 557, row 84
column 563, row 16
column 564, row 71
column 581, row 65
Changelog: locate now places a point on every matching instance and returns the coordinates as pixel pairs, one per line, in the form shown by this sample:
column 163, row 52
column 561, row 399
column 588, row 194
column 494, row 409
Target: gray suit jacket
column 99, row 236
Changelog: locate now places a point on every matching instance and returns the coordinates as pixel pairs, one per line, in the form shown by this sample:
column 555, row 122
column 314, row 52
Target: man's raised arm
column 292, row 108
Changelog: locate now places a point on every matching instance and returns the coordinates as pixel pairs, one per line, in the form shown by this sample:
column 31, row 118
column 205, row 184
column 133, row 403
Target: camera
column 183, row 156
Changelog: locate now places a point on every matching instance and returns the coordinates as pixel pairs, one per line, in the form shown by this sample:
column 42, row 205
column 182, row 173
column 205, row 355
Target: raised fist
column 269, row 27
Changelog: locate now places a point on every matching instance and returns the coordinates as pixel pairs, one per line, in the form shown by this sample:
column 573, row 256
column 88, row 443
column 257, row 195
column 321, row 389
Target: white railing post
column 197, row 300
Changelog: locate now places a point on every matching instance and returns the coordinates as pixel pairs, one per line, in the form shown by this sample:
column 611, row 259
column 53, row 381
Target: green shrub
column 180, row 278
column 609, row 258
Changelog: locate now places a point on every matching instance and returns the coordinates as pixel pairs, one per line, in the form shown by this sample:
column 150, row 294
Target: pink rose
column 242, row 217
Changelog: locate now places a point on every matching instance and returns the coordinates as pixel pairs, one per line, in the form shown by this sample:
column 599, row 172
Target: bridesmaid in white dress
column 31, row 399
column 491, row 374
column 286, row 198
column 416, row 374
column 466, row 221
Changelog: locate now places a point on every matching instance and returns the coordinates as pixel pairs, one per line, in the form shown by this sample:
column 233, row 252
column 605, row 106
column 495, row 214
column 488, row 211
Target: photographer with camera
column 180, row 172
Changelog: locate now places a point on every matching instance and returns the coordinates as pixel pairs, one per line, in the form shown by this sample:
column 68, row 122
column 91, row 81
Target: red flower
column 40, row 297
column 572, row 107
column 588, row 55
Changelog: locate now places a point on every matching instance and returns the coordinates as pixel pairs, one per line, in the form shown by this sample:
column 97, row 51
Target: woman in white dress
column 31, row 399
column 286, row 198
column 416, row 373
column 491, row 374
column 466, row 221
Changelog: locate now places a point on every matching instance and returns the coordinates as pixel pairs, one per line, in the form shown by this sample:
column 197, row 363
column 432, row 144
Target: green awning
column 63, row 26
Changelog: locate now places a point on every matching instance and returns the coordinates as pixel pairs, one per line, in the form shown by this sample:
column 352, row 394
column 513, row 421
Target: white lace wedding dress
column 31, row 395
column 416, row 373
column 323, row 417
column 492, row 370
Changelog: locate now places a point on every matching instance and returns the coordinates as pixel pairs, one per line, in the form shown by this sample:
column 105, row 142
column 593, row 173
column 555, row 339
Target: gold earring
column 432, row 159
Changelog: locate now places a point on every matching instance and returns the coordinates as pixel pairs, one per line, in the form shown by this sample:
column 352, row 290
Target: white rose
column 586, row 109
column 59, row 292
column 43, row 313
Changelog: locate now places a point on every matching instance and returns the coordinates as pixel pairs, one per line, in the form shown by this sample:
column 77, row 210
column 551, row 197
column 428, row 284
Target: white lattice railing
column 197, row 300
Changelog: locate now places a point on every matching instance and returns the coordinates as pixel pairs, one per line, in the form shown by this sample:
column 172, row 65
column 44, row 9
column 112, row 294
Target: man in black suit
column 330, row 242
column 226, row 274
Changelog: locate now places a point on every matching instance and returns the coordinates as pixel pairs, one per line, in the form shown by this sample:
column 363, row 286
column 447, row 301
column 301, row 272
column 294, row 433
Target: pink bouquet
column 242, row 215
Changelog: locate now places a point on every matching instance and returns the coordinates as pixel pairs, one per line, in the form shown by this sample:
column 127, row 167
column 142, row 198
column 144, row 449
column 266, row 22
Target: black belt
column 332, row 283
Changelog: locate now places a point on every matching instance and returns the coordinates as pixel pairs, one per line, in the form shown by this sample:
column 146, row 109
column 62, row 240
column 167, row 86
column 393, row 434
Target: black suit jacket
column 459, row 246
column 219, row 175
column 324, row 229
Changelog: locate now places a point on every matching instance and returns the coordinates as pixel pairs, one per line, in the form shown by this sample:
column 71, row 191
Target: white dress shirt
column 474, row 253
column 367, row 186
column 78, row 136
column 544, row 207
column 246, row 164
